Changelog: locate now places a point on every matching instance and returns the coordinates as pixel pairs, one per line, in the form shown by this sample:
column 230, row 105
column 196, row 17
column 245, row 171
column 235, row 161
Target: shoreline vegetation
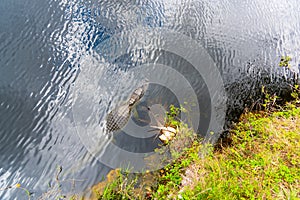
column 259, row 159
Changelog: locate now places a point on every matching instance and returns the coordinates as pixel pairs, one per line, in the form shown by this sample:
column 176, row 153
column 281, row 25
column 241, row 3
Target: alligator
column 119, row 116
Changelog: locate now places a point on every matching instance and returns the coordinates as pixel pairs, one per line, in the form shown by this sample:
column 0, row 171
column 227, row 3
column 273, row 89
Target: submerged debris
column 166, row 133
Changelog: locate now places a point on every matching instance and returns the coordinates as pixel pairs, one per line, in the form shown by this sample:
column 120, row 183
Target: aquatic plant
column 18, row 186
column 285, row 61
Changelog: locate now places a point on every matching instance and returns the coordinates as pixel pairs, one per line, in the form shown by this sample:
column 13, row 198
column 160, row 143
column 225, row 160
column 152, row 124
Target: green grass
column 262, row 162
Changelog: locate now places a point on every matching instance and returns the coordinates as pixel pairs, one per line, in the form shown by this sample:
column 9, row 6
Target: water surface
column 54, row 53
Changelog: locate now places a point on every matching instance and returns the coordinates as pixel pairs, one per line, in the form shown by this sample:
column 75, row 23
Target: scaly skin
column 119, row 117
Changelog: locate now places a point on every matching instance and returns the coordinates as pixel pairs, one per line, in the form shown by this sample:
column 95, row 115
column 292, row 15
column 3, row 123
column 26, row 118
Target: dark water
column 60, row 76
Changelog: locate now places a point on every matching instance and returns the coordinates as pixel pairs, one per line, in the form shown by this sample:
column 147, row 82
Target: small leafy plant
column 295, row 94
column 172, row 116
column 18, row 186
column 285, row 61
column 269, row 101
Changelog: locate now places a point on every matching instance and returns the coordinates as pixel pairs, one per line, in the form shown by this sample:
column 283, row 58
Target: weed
column 172, row 116
column 18, row 186
column 295, row 94
column 285, row 61
column 269, row 101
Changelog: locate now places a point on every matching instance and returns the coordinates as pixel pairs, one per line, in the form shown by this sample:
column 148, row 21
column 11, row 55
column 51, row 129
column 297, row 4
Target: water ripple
column 44, row 46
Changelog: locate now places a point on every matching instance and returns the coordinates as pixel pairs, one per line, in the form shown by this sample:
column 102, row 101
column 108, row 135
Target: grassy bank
column 261, row 162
